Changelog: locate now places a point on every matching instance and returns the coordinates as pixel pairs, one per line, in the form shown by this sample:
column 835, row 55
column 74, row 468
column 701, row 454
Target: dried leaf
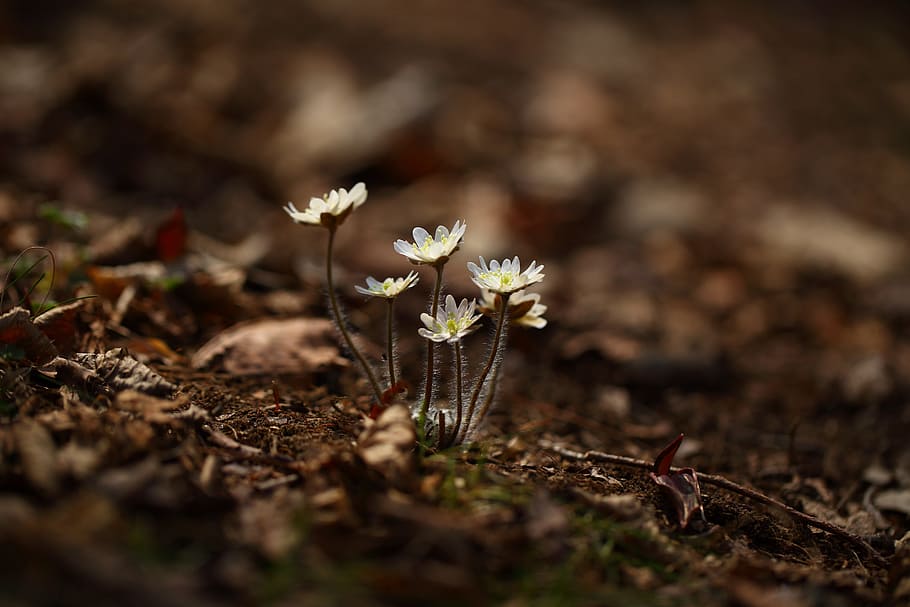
column 152, row 347
column 681, row 485
column 266, row 525
column 273, row 347
column 77, row 460
column 39, row 455
column 109, row 282
column 121, row 371
column 155, row 410
column 895, row 500
column 74, row 375
column 170, row 238
column 387, row 444
column 20, row 336
column 59, row 325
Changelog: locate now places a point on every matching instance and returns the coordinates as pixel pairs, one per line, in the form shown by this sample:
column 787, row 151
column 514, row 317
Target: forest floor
column 718, row 194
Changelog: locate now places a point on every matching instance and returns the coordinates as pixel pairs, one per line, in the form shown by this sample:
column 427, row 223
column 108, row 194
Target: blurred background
column 718, row 189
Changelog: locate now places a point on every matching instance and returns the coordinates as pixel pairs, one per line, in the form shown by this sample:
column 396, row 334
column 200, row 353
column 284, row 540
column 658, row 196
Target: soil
column 717, row 192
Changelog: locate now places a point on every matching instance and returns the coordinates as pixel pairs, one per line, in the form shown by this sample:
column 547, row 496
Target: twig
column 724, row 483
column 223, row 440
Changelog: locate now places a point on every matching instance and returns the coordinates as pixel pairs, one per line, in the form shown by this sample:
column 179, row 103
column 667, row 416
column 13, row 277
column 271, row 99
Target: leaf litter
column 153, row 451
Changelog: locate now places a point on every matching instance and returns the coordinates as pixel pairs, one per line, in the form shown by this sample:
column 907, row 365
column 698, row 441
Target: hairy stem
column 339, row 320
column 494, row 350
column 458, row 390
column 491, row 391
column 390, row 342
column 431, row 355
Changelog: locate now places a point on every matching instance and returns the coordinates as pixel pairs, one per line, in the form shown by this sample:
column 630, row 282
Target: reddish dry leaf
column 109, row 282
column 170, row 238
column 18, row 330
column 273, row 347
column 680, row 485
column 147, row 347
column 59, row 325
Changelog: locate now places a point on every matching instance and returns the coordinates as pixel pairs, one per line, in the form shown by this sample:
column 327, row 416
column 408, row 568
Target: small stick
column 724, row 483
column 275, row 395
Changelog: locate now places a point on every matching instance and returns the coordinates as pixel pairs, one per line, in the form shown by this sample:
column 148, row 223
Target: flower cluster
column 503, row 296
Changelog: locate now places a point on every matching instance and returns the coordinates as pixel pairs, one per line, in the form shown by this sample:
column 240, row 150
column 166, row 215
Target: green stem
column 431, row 355
column 494, row 350
column 336, row 310
column 390, row 343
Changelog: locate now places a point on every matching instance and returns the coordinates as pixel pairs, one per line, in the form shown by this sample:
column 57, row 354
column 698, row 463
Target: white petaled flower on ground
column 330, row 210
column 525, row 308
column 451, row 323
column 432, row 250
column 388, row 288
column 506, row 277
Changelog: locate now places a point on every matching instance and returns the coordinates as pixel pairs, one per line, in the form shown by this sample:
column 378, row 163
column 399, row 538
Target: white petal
column 429, row 335
column 420, row 236
column 331, row 201
column 358, row 194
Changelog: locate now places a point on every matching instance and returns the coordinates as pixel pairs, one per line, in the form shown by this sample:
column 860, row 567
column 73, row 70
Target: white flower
column 432, row 250
column 505, row 277
column 330, row 210
column 388, row 288
column 451, row 323
column 525, row 308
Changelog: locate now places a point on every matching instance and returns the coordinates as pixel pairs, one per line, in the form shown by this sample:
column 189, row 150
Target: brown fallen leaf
column 387, row 444
column 273, row 347
column 21, row 336
column 59, row 325
column 39, row 455
column 154, row 410
column 109, row 282
column 121, row 371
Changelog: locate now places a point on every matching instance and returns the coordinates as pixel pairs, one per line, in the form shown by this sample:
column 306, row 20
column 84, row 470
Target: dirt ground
column 718, row 192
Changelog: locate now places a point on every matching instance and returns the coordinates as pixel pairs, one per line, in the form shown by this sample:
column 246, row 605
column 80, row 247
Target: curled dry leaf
column 22, row 338
column 119, row 370
column 273, row 347
column 387, row 444
column 70, row 373
column 59, row 325
column 680, row 485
